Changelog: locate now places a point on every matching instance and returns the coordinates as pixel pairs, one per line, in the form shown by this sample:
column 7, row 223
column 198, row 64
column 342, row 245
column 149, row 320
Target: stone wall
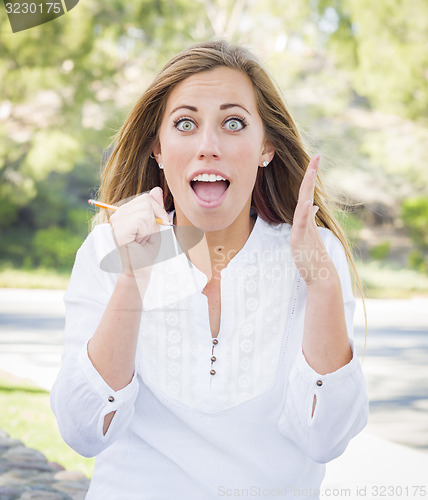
column 25, row 474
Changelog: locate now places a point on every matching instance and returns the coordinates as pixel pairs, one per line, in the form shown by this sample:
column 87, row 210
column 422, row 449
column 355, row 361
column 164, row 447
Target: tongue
column 209, row 191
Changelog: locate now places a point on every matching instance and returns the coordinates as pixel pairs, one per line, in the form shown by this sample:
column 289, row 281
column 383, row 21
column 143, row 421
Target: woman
column 227, row 368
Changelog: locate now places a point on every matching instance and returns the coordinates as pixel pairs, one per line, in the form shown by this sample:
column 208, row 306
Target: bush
column 414, row 213
column 78, row 221
column 15, row 242
column 418, row 262
column 55, row 248
column 381, row 251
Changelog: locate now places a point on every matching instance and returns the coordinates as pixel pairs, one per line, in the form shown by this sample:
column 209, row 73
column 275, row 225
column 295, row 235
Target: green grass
column 26, row 415
column 36, row 278
column 389, row 281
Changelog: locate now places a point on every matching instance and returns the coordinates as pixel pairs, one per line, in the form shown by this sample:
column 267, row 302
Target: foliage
column 67, row 86
column 378, row 41
column 418, row 261
column 414, row 212
column 64, row 86
column 381, row 251
column 15, row 246
column 55, row 247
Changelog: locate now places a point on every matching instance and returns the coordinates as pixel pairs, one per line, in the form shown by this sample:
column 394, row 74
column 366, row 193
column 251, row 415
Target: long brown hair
column 131, row 170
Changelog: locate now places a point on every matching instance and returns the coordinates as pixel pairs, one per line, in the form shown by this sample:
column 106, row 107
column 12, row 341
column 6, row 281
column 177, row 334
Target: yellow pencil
column 96, row 203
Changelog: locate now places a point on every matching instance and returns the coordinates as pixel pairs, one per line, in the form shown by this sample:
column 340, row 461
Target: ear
column 268, row 153
column 157, row 153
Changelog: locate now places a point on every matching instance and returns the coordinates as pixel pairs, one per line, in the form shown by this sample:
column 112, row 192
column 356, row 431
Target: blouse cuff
column 313, row 377
column 340, row 412
column 113, row 399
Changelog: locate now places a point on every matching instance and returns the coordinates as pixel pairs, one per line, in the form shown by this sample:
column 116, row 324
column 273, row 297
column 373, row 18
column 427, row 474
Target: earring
column 161, row 165
column 265, row 163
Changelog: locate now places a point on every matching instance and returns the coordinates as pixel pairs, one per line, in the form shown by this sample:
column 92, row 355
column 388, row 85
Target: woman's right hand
column 136, row 232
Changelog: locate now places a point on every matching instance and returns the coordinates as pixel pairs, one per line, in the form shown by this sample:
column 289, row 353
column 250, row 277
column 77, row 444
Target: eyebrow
column 222, row 107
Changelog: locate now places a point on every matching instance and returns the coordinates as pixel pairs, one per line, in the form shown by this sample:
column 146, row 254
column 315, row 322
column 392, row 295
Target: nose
column 208, row 146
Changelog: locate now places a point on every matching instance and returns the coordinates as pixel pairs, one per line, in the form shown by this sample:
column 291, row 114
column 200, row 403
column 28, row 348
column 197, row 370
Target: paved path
column 31, row 329
column 396, row 368
column 395, row 365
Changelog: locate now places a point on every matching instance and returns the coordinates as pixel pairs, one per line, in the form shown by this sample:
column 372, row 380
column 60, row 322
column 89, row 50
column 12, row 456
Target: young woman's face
column 211, row 127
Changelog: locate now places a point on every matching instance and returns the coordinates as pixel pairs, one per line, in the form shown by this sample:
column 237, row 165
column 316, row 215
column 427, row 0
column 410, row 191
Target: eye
column 235, row 123
column 184, row 124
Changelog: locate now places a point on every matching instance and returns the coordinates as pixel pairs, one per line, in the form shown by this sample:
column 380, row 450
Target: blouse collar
column 252, row 245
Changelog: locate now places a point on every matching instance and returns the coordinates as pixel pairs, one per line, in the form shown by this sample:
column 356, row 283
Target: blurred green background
column 354, row 74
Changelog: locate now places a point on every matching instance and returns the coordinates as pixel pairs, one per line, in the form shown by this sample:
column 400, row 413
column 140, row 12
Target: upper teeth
column 208, row 178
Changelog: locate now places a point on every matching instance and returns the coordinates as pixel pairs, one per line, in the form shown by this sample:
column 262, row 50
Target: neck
column 217, row 248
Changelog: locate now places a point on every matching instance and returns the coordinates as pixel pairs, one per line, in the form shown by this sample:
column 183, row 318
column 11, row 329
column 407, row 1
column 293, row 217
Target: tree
column 384, row 44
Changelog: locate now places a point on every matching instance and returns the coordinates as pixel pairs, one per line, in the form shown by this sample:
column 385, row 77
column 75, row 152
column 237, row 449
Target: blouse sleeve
column 341, row 409
column 80, row 398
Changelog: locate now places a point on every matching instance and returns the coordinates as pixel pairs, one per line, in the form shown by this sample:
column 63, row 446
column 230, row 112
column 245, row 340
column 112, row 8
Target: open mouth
column 209, row 187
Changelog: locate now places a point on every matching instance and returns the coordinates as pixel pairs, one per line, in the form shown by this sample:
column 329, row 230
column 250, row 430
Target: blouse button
column 215, row 341
column 213, row 358
column 319, row 383
column 212, row 372
column 111, row 399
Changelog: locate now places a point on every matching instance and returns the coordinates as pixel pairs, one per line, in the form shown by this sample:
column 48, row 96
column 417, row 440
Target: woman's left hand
column 310, row 255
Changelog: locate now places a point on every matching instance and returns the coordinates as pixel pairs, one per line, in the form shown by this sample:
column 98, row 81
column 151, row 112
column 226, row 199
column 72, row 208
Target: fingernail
column 315, row 209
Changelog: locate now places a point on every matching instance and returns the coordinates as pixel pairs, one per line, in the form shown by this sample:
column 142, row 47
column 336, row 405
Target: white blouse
column 204, row 415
